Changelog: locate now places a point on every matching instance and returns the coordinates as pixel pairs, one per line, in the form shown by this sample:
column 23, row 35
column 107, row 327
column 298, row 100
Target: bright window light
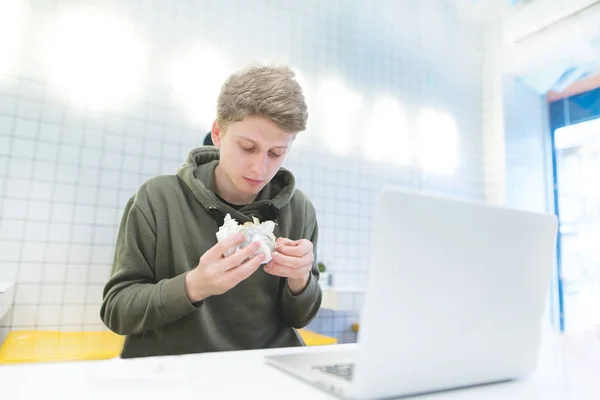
column 338, row 111
column 386, row 138
column 95, row 59
column 12, row 19
column 437, row 138
column 197, row 79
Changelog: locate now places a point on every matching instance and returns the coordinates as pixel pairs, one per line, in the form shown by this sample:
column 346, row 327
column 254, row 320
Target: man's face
column 251, row 153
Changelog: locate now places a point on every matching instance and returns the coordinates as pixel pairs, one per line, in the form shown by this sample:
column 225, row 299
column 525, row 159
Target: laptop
column 455, row 298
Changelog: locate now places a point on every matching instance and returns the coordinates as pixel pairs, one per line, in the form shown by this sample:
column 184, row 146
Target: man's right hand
column 216, row 274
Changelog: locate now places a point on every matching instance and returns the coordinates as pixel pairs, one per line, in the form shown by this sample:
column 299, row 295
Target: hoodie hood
column 198, row 174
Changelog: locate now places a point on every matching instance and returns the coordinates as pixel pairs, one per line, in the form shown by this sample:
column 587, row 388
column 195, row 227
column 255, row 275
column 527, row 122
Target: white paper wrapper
column 253, row 231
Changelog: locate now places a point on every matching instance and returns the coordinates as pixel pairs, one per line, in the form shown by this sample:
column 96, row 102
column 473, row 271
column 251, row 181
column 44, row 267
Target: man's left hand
column 292, row 260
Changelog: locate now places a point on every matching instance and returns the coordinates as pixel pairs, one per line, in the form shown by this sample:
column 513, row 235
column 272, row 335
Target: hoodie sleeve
column 133, row 302
column 299, row 310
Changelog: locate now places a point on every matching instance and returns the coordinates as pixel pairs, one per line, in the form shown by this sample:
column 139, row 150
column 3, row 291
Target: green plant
column 322, row 267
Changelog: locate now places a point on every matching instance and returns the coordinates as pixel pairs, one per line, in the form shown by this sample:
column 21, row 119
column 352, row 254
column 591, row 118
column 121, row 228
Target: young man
column 172, row 290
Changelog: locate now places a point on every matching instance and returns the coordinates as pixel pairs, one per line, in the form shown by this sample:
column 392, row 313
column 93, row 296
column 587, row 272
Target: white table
column 569, row 369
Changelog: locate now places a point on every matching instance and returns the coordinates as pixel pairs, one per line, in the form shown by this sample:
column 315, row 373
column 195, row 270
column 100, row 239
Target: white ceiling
column 545, row 54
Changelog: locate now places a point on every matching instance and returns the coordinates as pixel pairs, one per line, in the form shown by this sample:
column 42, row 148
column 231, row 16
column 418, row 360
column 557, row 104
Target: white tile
column 59, row 232
column 69, row 154
column 80, row 253
column 114, row 143
column 72, row 314
column 111, row 161
column 91, row 157
column 17, row 188
column 92, row 315
column 87, row 195
column 131, row 163
column 82, row 234
column 99, row 274
column 102, row 254
column 10, row 251
column 84, row 214
column 64, row 192
column 93, row 139
column 14, row 208
column 109, row 179
column 54, row 273
column 152, row 149
column 12, row 230
column 8, row 107
column 51, row 294
column 33, row 252
column 130, row 181
column 88, row 176
column 44, row 171
column 24, row 316
column 67, row 173
column 41, row 190
column 52, row 113
column 5, row 149
column 71, row 328
column 36, row 231
column 74, row 294
column 27, row 294
column 77, row 273
column 62, row 213
column 9, row 271
column 46, row 151
column 108, row 197
column 30, row 273
column 108, row 216
column 40, row 210
column 95, row 328
column 93, row 294
column 155, row 132
column 57, row 252
column 49, row 132
column 20, row 168
column 72, row 135
column 49, row 315
column 48, row 327
column 105, row 235
column 26, row 128
column 341, row 279
column 125, row 195
column 133, row 145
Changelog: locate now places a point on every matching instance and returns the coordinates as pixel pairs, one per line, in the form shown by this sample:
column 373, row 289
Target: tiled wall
column 66, row 172
column 529, row 183
column 528, row 148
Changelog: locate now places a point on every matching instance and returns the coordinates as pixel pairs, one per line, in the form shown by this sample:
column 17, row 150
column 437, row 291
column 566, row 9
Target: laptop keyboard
column 344, row 371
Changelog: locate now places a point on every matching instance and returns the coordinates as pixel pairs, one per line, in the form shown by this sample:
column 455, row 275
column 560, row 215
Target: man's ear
column 215, row 134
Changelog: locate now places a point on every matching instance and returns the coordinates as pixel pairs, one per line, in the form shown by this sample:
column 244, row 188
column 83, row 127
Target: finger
column 279, row 270
column 283, row 241
column 246, row 269
column 238, row 257
column 287, row 272
column 299, row 250
column 216, row 252
column 291, row 261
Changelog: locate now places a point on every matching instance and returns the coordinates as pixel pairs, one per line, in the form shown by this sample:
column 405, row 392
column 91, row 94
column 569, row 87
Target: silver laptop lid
column 455, row 297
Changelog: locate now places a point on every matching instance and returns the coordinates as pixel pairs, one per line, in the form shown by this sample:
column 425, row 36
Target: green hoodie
column 166, row 227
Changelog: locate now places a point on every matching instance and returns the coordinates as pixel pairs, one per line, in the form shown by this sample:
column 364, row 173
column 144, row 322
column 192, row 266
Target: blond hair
column 265, row 91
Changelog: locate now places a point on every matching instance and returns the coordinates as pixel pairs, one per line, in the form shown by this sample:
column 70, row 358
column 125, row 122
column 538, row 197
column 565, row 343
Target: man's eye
column 248, row 149
column 275, row 154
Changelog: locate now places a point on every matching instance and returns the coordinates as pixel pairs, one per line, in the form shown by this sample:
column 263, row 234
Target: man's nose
column 259, row 164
